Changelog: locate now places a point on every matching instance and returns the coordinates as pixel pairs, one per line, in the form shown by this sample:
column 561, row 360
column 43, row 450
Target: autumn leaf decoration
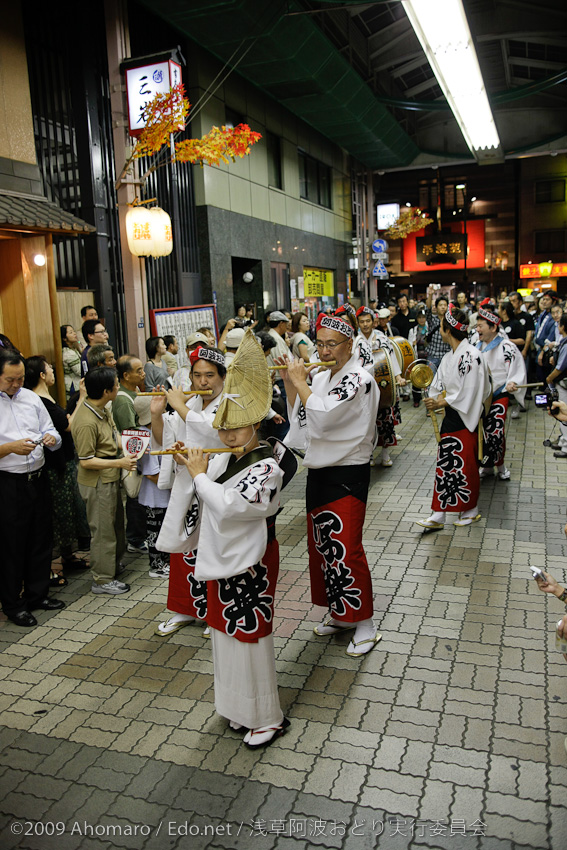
column 167, row 113
column 409, row 221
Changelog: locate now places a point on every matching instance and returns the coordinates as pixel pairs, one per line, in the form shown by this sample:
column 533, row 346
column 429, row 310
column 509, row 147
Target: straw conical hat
column 247, row 394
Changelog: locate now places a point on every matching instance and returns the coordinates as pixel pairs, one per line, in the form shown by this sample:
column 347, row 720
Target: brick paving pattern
column 450, row 734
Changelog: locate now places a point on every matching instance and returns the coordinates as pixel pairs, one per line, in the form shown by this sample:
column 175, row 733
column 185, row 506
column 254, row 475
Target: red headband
column 364, row 311
column 459, row 326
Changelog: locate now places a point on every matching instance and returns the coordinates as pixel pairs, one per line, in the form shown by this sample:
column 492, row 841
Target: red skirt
column 457, row 480
column 186, row 595
column 243, row 606
column 495, row 432
column 338, row 569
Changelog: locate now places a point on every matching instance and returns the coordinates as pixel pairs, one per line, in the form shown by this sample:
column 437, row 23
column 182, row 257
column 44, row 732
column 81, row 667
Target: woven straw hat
column 247, row 394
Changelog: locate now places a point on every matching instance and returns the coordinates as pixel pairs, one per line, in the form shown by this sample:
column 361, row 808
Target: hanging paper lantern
column 149, row 232
column 162, row 239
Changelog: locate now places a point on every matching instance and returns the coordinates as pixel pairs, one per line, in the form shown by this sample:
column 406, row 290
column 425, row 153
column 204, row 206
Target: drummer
column 462, row 383
column 388, row 417
column 333, row 421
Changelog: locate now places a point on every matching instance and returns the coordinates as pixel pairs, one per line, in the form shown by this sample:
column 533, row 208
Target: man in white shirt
column 26, row 523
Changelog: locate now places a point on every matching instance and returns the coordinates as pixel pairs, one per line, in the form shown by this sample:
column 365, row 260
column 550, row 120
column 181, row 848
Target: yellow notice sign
column 318, row 282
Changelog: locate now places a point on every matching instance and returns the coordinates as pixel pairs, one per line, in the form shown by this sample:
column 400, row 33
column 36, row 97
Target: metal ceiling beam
column 530, row 37
column 535, row 63
column 401, row 70
column 424, row 86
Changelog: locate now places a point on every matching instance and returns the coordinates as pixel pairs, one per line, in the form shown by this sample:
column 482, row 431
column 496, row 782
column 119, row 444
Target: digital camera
column 546, row 398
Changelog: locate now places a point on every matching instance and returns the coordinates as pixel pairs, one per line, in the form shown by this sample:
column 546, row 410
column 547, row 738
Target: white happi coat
column 233, row 534
column 505, row 363
column 378, row 342
column 197, row 430
column 337, row 425
column 463, row 374
column 226, row 522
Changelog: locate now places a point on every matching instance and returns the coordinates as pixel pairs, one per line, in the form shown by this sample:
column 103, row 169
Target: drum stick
column 237, row 450
column 308, row 366
column 526, row 386
column 434, row 421
column 186, row 392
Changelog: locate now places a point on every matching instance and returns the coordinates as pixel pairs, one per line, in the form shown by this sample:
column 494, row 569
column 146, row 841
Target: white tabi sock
column 437, row 516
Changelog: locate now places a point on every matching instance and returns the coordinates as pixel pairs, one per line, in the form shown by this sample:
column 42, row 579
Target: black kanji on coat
column 451, row 483
column 245, row 599
column 324, row 524
column 197, row 589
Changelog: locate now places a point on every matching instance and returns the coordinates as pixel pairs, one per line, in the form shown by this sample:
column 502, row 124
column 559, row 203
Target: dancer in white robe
column 462, row 385
column 236, row 497
column 190, row 422
column 334, row 422
column 507, row 368
column 388, row 417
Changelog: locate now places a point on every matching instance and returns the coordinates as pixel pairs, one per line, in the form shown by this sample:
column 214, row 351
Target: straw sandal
column 327, row 627
column 263, row 737
column 467, row 520
column 362, row 647
column 169, row 627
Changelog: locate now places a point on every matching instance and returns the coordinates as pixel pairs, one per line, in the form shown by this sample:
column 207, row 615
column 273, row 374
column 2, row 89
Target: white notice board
column 182, row 321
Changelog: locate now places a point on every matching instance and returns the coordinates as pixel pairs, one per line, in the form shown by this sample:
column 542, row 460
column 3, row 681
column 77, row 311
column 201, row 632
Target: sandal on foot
column 430, row 525
column 468, row 520
column 263, row 737
column 58, row 580
column 169, row 627
column 362, row 647
column 328, row 627
column 388, row 462
column 207, row 632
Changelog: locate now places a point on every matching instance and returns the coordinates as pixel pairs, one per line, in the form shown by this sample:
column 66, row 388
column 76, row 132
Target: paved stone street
column 450, row 734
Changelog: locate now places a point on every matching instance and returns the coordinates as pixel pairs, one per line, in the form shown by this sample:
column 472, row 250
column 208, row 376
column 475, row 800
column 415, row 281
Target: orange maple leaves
column 166, row 114
column 410, row 220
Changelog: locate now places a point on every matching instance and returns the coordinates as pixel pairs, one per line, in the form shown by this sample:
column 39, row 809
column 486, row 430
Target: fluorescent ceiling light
column 441, row 27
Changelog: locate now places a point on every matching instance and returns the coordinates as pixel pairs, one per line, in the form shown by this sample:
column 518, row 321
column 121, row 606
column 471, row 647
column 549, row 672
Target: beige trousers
column 105, row 515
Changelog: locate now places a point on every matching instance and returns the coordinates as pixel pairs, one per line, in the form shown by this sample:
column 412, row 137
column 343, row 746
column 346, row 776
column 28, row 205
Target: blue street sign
column 380, row 270
column 379, row 245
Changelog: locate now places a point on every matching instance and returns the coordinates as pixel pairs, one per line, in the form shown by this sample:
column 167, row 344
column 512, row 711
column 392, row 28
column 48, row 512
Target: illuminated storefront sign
column 440, row 248
column 543, row 270
column 142, row 85
column 318, row 283
column 386, row 215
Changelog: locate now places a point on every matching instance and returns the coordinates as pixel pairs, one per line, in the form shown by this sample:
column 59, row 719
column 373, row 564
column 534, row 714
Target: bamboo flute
column 235, row 451
column 186, row 392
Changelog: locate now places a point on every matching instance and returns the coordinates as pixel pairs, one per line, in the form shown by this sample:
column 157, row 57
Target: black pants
column 136, row 530
column 26, row 534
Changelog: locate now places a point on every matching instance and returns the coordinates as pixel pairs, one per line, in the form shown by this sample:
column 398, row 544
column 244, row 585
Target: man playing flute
column 334, row 421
